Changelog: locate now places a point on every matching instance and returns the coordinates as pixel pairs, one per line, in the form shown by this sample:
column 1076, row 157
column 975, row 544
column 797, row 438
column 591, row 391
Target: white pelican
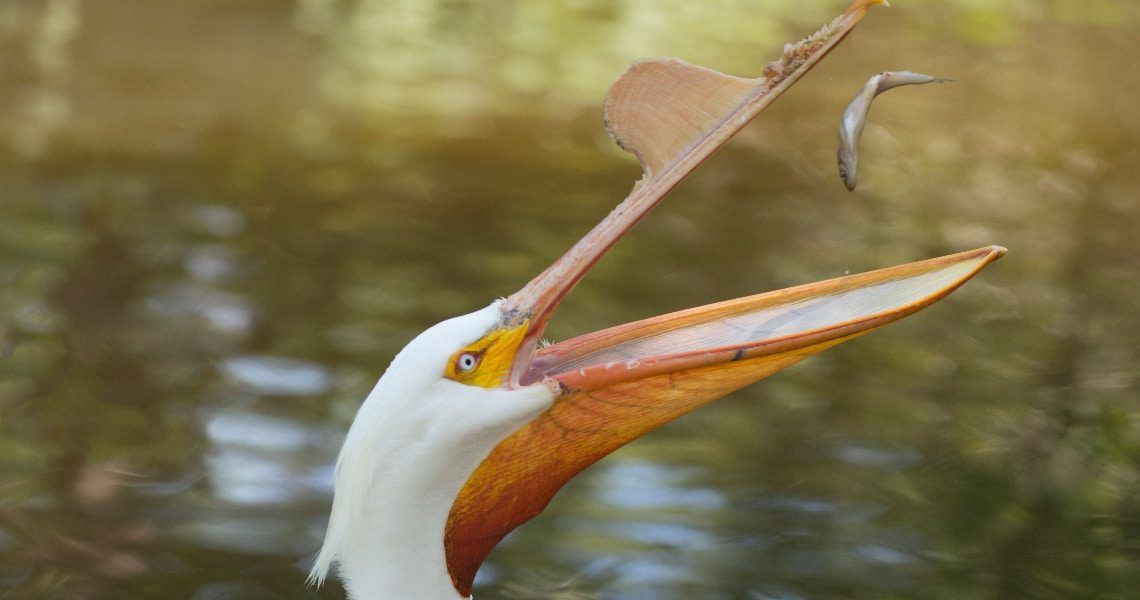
column 473, row 428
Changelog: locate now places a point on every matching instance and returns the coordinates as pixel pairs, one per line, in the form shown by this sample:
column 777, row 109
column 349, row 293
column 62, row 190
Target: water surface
column 220, row 220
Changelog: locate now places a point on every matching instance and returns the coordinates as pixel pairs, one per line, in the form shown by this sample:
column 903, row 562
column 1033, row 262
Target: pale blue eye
column 466, row 362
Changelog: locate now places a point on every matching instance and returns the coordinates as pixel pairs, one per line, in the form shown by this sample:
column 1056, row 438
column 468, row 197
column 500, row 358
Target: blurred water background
column 219, row 220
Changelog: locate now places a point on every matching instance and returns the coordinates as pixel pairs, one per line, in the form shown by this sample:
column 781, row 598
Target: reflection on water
column 275, row 376
column 219, row 221
column 633, row 485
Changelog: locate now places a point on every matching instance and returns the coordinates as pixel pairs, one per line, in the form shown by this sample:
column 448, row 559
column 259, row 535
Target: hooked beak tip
column 860, row 6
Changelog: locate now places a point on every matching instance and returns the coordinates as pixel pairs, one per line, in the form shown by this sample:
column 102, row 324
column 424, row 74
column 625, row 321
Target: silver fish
column 855, row 117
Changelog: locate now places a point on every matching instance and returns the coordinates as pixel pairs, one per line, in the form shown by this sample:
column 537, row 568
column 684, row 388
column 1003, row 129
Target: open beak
column 620, row 383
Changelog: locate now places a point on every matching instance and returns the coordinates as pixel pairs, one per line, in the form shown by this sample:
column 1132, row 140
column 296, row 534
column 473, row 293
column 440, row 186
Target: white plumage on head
column 414, row 442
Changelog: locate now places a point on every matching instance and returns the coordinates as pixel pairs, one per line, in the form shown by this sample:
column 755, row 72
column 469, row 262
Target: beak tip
column 997, row 251
column 863, row 5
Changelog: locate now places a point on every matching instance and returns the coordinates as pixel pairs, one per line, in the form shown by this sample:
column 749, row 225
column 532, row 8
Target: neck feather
column 395, row 548
column 392, row 497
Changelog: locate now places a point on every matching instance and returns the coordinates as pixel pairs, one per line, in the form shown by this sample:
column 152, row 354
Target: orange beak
column 617, row 384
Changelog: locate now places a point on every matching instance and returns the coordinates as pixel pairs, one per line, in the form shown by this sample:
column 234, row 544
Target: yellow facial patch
column 487, row 362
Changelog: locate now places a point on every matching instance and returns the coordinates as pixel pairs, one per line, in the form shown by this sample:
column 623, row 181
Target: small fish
column 855, row 117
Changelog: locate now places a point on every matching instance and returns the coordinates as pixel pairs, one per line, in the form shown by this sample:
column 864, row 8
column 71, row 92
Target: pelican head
column 473, row 428
column 429, row 421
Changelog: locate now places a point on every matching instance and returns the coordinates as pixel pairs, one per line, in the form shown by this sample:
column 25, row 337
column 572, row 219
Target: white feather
column 413, row 444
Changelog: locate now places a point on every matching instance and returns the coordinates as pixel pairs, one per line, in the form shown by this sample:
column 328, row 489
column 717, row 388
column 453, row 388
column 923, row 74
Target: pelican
column 473, row 427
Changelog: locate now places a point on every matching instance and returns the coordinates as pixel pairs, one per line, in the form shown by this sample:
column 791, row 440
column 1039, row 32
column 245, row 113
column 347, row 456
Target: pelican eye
column 487, row 361
column 466, row 362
